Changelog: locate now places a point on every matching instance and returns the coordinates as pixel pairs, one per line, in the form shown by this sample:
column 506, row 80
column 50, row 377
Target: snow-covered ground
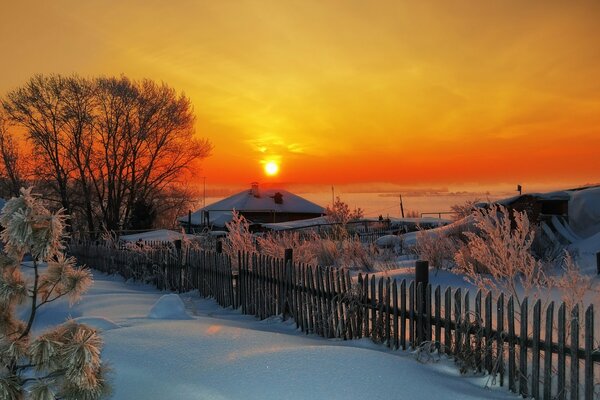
column 163, row 348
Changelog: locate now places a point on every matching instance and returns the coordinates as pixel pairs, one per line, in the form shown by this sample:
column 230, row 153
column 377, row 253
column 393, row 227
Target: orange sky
column 400, row 92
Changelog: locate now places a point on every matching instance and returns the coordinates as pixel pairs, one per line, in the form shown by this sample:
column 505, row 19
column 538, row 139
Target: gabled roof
column 247, row 202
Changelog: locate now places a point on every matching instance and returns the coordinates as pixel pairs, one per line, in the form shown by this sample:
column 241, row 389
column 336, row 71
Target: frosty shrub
column 239, row 239
column 64, row 362
column 304, row 245
column 573, row 285
column 463, row 210
column 436, row 247
column 326, row 252
column 339, row 213
column 355, row 255
column 502, row 247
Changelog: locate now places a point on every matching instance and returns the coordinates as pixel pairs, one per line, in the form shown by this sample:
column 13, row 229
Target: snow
column 411, row 223
column 163, row 235
column 584, row 211
column 388, row 241
column 585, row 251
column 168, row 306
column 558, row 195
column 100, row 323
column 220, row 354
column 303, row 223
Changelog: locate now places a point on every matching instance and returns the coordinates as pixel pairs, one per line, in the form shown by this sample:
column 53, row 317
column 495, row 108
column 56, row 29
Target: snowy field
column 184, row 347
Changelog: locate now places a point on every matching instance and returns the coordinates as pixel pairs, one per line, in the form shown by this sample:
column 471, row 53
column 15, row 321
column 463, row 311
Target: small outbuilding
column 257, row 206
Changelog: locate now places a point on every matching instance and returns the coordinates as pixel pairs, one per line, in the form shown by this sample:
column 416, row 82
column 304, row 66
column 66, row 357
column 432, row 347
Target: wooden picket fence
column 535, row 351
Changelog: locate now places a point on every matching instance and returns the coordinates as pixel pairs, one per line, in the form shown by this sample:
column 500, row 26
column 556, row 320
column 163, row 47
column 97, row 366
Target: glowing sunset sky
column 347, row 91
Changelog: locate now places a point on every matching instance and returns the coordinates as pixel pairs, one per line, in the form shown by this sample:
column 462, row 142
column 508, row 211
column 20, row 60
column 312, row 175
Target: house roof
column 162, row 235
column 558, row 195
column 247, row 202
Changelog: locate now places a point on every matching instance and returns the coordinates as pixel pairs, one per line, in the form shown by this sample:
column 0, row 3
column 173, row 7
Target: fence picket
column 589, row 349
column 396, row 344
column 535, row 353
column 562, row 363
column 574, row 389
column 523, row 377
column 548, row 352
column 512, row 365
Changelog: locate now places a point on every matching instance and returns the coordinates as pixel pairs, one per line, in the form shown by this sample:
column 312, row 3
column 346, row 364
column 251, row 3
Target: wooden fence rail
column 535, row 351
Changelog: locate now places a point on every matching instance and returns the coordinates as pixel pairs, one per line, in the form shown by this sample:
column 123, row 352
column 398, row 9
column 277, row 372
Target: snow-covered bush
column 339, row 212
column 304, row 245
column 63, row 362
column 463, row 210
column 436, row 247
column 503, row 248
column 239, row 239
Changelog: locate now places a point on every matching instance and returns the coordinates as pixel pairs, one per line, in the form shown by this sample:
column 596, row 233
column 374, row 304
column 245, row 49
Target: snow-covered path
column 221, row 354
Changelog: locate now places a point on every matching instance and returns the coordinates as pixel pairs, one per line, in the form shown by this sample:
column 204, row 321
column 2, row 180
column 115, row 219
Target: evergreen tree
column 143, row 215
column 64, row 362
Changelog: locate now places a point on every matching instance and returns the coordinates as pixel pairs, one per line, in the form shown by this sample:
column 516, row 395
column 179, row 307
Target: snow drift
column 168, row 306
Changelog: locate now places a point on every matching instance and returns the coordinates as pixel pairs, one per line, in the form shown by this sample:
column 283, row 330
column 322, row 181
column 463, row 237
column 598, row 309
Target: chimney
column 278, row 198
column 254, row 189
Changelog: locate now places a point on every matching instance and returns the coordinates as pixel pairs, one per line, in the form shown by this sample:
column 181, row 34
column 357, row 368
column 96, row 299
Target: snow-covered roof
column 558, row 195
column 303, row 223
column 246, row 201
column 161, row 235
column 307, row 223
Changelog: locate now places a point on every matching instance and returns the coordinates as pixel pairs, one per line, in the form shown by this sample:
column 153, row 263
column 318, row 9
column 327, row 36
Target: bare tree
column 104, row 145
column 38, row 107
column 11, row 165
column 147, row 143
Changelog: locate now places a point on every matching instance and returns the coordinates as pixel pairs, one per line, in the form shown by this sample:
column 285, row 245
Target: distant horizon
column 219, row 189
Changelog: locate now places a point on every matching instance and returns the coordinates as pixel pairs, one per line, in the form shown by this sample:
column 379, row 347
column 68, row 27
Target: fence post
column 422, row 273
column 179, row 265
column 422, row 278
column 288, row 257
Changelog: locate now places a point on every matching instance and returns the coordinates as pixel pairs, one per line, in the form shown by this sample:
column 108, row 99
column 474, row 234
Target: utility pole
column 401, row 207
column 332, row 196
column 520, row 189
column 204, row 196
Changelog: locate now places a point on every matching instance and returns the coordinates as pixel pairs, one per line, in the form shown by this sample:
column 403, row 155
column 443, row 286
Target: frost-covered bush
column 339, row 212
column 63, row 362
column 304, row 245
column 239, row 239
column 502, row 247
column 436, row 247
column 463, row 210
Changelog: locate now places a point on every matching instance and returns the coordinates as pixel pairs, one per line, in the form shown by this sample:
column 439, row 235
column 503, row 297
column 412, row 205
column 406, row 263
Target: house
column 257, row 205
column 564, row 217
column 540, row 206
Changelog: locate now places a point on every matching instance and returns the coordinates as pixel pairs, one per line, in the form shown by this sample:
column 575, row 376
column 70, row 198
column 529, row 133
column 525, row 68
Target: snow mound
column 168, row 306
column 100, row 323
column 584, row 211
column 388, row 241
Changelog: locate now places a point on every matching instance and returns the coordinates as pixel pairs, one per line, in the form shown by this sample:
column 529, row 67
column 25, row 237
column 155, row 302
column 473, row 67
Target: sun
column 271, row 168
